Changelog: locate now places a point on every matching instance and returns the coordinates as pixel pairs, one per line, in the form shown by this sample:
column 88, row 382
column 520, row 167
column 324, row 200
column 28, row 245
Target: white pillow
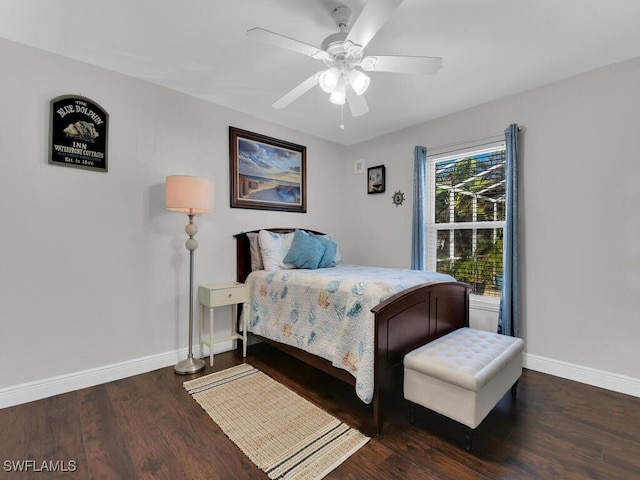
column 274, row 247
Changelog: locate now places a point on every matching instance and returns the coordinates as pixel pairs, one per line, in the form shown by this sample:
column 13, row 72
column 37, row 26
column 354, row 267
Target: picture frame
column 267, row 173
column 376, row 179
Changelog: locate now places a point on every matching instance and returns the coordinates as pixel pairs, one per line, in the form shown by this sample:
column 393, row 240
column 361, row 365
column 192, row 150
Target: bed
column 384, row 318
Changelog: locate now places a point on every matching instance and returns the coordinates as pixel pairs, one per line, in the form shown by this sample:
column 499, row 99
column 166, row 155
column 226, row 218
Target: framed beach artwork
column 267, row 173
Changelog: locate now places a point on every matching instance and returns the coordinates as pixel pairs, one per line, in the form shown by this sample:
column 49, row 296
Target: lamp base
column 190, row 365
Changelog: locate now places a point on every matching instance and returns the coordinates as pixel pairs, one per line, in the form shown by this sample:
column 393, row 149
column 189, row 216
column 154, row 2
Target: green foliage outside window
column 469, row 191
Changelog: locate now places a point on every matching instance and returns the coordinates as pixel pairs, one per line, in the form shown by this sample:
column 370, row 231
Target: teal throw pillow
column 305, row 252
column 329, row 257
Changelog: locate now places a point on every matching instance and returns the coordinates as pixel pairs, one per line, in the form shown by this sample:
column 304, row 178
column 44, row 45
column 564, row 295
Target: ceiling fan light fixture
column 329, row 79
column 339, row 95
column 343, row 56
column 358, row 81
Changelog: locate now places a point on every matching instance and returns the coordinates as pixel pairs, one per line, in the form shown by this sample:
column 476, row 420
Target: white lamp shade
column 189, row 194
column 358, row 81
column 338, row 96
column 329, row 79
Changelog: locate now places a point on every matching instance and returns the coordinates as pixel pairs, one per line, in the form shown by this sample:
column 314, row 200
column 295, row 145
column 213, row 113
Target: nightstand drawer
column 218, row 294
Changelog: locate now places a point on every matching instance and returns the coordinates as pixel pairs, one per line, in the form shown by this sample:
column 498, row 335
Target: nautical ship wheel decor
column 398, row 198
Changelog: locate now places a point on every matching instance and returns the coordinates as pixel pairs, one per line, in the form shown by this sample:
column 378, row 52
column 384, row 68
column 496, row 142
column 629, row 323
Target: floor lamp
column 189, row 195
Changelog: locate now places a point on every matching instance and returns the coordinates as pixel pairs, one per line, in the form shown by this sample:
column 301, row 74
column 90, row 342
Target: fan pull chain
column 342, row 117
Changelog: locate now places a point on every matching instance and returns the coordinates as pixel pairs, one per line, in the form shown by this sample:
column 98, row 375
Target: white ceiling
column 491, row 49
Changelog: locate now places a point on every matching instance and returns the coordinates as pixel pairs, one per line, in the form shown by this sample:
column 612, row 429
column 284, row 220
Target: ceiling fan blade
column 373, row 16
column 357, row 103
column 297, row 91
column 281, row 41
column 402, row 64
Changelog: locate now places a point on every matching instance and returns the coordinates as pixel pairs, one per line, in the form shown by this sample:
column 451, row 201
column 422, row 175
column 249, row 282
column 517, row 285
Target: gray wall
column 94, row 273
column 94, row 270
column 580, row 186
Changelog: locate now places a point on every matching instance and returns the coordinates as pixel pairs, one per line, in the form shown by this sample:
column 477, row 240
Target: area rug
column 283, row 434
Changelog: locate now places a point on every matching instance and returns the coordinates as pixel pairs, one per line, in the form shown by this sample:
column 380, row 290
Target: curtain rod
column 464, row 144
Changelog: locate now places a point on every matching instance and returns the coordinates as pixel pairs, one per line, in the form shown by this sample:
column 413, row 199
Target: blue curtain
column 419, row 229
column 509, row 314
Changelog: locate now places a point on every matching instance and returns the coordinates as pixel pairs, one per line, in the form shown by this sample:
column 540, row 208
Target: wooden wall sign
column 78, row 133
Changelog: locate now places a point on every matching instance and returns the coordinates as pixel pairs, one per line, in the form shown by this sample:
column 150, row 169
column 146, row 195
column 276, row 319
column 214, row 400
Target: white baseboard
column 28, row 392
column 590, row 376
column 36, row 390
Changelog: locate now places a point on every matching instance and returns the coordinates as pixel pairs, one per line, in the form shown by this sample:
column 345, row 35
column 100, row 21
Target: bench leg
column 468, row 440
column 514, row 389
column 412, row 412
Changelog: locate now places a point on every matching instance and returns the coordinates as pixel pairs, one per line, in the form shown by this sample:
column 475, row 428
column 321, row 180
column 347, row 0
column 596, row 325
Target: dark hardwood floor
column 147, row 426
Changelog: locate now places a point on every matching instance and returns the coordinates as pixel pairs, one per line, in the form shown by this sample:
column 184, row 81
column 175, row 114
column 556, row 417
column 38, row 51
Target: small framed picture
column 375, row 179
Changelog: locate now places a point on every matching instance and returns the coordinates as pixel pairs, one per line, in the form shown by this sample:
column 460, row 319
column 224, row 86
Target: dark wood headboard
column 243, row 250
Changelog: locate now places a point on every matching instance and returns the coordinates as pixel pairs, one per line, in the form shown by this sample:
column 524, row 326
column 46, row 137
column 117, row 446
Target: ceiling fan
column 343, row 55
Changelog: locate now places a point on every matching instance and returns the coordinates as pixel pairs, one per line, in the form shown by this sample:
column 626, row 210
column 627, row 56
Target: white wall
column 580, row 186
column 93, row 269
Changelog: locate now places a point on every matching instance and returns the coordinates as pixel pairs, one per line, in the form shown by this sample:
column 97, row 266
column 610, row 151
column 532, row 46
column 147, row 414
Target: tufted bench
column 463, row 375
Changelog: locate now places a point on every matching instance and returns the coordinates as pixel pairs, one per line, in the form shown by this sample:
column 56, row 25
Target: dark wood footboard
column 408, row 320
column 403, row 322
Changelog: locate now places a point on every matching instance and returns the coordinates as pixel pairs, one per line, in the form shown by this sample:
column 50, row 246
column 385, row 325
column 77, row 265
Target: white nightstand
column 219, row 295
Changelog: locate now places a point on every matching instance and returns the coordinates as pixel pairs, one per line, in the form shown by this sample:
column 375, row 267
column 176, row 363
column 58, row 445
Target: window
column 466, row 217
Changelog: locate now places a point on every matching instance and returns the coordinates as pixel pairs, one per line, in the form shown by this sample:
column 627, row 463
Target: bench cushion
column 464, row 374
column 465, row 357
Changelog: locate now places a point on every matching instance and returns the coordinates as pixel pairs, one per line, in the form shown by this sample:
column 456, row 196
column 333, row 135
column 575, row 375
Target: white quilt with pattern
column 327, row 311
